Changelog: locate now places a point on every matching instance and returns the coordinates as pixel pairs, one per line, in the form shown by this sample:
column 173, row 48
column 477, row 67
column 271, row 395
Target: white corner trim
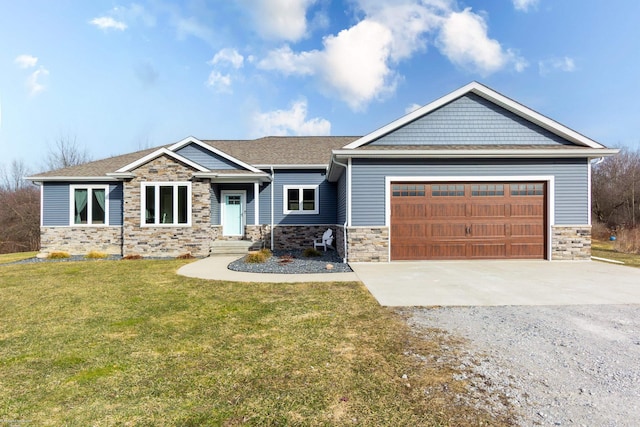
column 491, row 96
column 349, row 167
column 192, row 140
column 256, row 203
column 589, row 191
column 160, row 152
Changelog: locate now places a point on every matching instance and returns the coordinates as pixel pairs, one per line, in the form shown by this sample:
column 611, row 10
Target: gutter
column 484, row 153
column 273, row 182
column 346, row 220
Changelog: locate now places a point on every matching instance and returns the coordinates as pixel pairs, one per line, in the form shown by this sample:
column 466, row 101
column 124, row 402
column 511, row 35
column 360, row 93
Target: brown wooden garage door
column 467, row 220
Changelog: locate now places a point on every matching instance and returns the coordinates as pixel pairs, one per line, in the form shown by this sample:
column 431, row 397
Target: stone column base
column 571, row 242
column 368, row 244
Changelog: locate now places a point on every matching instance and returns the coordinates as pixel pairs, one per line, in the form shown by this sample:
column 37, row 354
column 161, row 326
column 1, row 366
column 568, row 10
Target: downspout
column 346, row 214
column 273, row 181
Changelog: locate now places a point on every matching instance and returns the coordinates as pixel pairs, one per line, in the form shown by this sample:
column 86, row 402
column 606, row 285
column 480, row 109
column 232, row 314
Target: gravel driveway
column 552, row 365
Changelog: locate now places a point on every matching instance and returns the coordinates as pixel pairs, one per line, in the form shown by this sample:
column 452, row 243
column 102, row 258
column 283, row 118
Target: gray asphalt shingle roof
column 273, row 150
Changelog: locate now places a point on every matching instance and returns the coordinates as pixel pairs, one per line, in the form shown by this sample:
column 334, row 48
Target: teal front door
column 232, row 214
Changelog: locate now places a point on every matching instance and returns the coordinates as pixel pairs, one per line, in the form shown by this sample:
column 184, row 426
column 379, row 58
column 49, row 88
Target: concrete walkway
column 215, row 268
column 493, row 283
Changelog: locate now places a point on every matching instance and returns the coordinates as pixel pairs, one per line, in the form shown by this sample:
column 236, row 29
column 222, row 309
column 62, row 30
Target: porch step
column 234, row 247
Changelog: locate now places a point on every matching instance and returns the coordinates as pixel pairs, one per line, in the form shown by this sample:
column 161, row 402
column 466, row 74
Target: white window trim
column 285, row 193
column 157, row 185
column 72, row 203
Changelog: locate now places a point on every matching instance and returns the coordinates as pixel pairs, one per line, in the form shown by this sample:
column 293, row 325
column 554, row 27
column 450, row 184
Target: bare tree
column 12, row 177
column 616, row 189
column 19, row 210
column 66, row 152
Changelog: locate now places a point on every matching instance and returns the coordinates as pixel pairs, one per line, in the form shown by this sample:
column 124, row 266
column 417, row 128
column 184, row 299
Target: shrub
column 311, row 252
column 258, row 257
column 628, row 241
column 600, row 231
column 185, row 256
column 132, row 257
column 95, row 255
column 286, row 259
column 59, row 255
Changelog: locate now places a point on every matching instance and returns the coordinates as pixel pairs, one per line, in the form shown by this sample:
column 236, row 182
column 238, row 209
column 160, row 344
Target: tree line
column 615, row 194
column 615, row 190
column 20, row 199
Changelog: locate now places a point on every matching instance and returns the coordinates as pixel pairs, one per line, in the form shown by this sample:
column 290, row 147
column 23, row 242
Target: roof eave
column 484, row 153
column 37, row 179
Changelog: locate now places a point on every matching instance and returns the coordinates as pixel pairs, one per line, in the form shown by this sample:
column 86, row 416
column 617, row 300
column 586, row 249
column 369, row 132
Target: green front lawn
column 605, row 249
column 131, row 343
column 18, row 256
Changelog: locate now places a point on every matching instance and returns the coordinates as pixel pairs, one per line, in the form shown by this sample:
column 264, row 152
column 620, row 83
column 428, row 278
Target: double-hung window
column 89, row 205
column 166, row 203
column 300, row 199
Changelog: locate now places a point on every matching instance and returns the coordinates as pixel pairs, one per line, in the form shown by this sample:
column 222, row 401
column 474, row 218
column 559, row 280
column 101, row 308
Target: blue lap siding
column 56, row 203
column 326, row 198
column 571, row 182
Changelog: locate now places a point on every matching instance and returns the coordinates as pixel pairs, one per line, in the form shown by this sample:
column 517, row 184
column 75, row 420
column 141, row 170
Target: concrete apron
column 492, row 283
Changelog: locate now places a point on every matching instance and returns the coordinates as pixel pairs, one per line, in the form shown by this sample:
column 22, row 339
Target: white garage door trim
column 549, row 179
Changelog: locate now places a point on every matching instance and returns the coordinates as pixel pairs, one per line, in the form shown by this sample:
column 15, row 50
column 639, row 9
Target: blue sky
column 120, row 76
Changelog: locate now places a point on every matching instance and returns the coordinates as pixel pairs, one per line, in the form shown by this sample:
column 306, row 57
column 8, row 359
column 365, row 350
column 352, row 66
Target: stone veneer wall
column 368, row 244
column 288, row 237
column 571, row 242
column 339, row 241
column 81, row 240
column 174, row 240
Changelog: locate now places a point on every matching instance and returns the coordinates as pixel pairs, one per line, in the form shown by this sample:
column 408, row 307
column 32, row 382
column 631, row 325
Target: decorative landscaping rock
column 293, row 262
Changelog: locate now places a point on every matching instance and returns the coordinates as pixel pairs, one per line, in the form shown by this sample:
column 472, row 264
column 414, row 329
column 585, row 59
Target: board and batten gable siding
column 326, row 198
column 206, row 158
column 216, row 201
column 470, row 120
column 56, row 203
column 571, row 204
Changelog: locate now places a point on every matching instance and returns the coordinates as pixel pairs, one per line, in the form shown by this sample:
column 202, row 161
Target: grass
column 132, row 343
column 18, row 256
column 606, row 249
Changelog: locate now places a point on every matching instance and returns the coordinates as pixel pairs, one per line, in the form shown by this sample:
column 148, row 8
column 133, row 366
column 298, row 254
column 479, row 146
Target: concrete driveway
column 494, row 283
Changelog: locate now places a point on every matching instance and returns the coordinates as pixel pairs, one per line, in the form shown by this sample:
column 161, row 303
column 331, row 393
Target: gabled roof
column 249, row 155
column 158, row 153
column 490, row 95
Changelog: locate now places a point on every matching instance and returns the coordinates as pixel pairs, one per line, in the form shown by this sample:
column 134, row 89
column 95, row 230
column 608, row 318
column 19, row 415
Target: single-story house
column 472, row 175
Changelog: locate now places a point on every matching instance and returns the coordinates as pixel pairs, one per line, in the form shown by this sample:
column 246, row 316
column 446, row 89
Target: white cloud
column 464, row 40
column 229, row 56
column 219, row 82
column 107, row 23
column 280, row 19
column 289, row 122
column 411, row 108
column 34, row 81
column 191, row 27
column 288, row 62
column 564, row 64
column 524, row 5
column 359, row 64
column 354, row 63
column 26, row 61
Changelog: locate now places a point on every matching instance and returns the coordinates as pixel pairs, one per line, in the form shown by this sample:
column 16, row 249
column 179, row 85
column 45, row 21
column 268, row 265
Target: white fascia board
column 160, row 152
column 192, row 140
column 234, row 178
column 71, row 178
column 318, row 166
column 490, row 95
column 485, row 153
